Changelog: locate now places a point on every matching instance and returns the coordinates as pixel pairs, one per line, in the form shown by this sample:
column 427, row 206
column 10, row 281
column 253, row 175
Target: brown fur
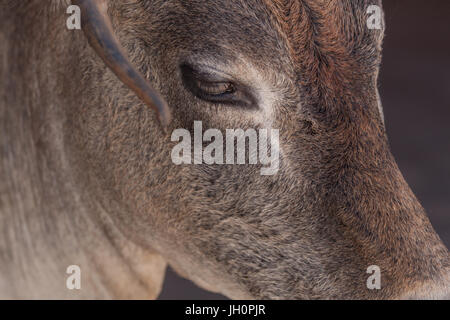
column 87, row 177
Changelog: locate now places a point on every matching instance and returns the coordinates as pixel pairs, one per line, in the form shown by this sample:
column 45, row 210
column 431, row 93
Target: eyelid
column 195, row 79
column 215, row 87
column 202, row 73
column 207, row 86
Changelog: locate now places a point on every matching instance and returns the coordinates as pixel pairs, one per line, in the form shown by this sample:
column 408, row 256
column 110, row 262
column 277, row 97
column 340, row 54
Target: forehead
column 219, row 27
column 271, row 29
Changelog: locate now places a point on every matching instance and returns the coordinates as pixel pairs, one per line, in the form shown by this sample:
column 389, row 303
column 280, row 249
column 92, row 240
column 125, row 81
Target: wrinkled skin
column 106, row 195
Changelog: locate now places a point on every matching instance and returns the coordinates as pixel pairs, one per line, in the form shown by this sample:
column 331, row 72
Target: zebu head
column 338, row 203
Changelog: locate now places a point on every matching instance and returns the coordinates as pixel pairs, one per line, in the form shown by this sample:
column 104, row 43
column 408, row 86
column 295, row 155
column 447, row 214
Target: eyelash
column 215, row 88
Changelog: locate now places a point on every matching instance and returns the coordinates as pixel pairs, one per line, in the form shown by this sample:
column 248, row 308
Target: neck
column 49, row 220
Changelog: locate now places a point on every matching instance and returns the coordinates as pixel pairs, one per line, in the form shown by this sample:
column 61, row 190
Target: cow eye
column 211, row 87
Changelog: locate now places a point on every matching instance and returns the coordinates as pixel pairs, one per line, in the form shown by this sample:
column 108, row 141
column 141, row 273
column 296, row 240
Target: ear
column 97, row 27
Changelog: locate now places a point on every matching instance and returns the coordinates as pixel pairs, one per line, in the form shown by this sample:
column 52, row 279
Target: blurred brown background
column 415, row 91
